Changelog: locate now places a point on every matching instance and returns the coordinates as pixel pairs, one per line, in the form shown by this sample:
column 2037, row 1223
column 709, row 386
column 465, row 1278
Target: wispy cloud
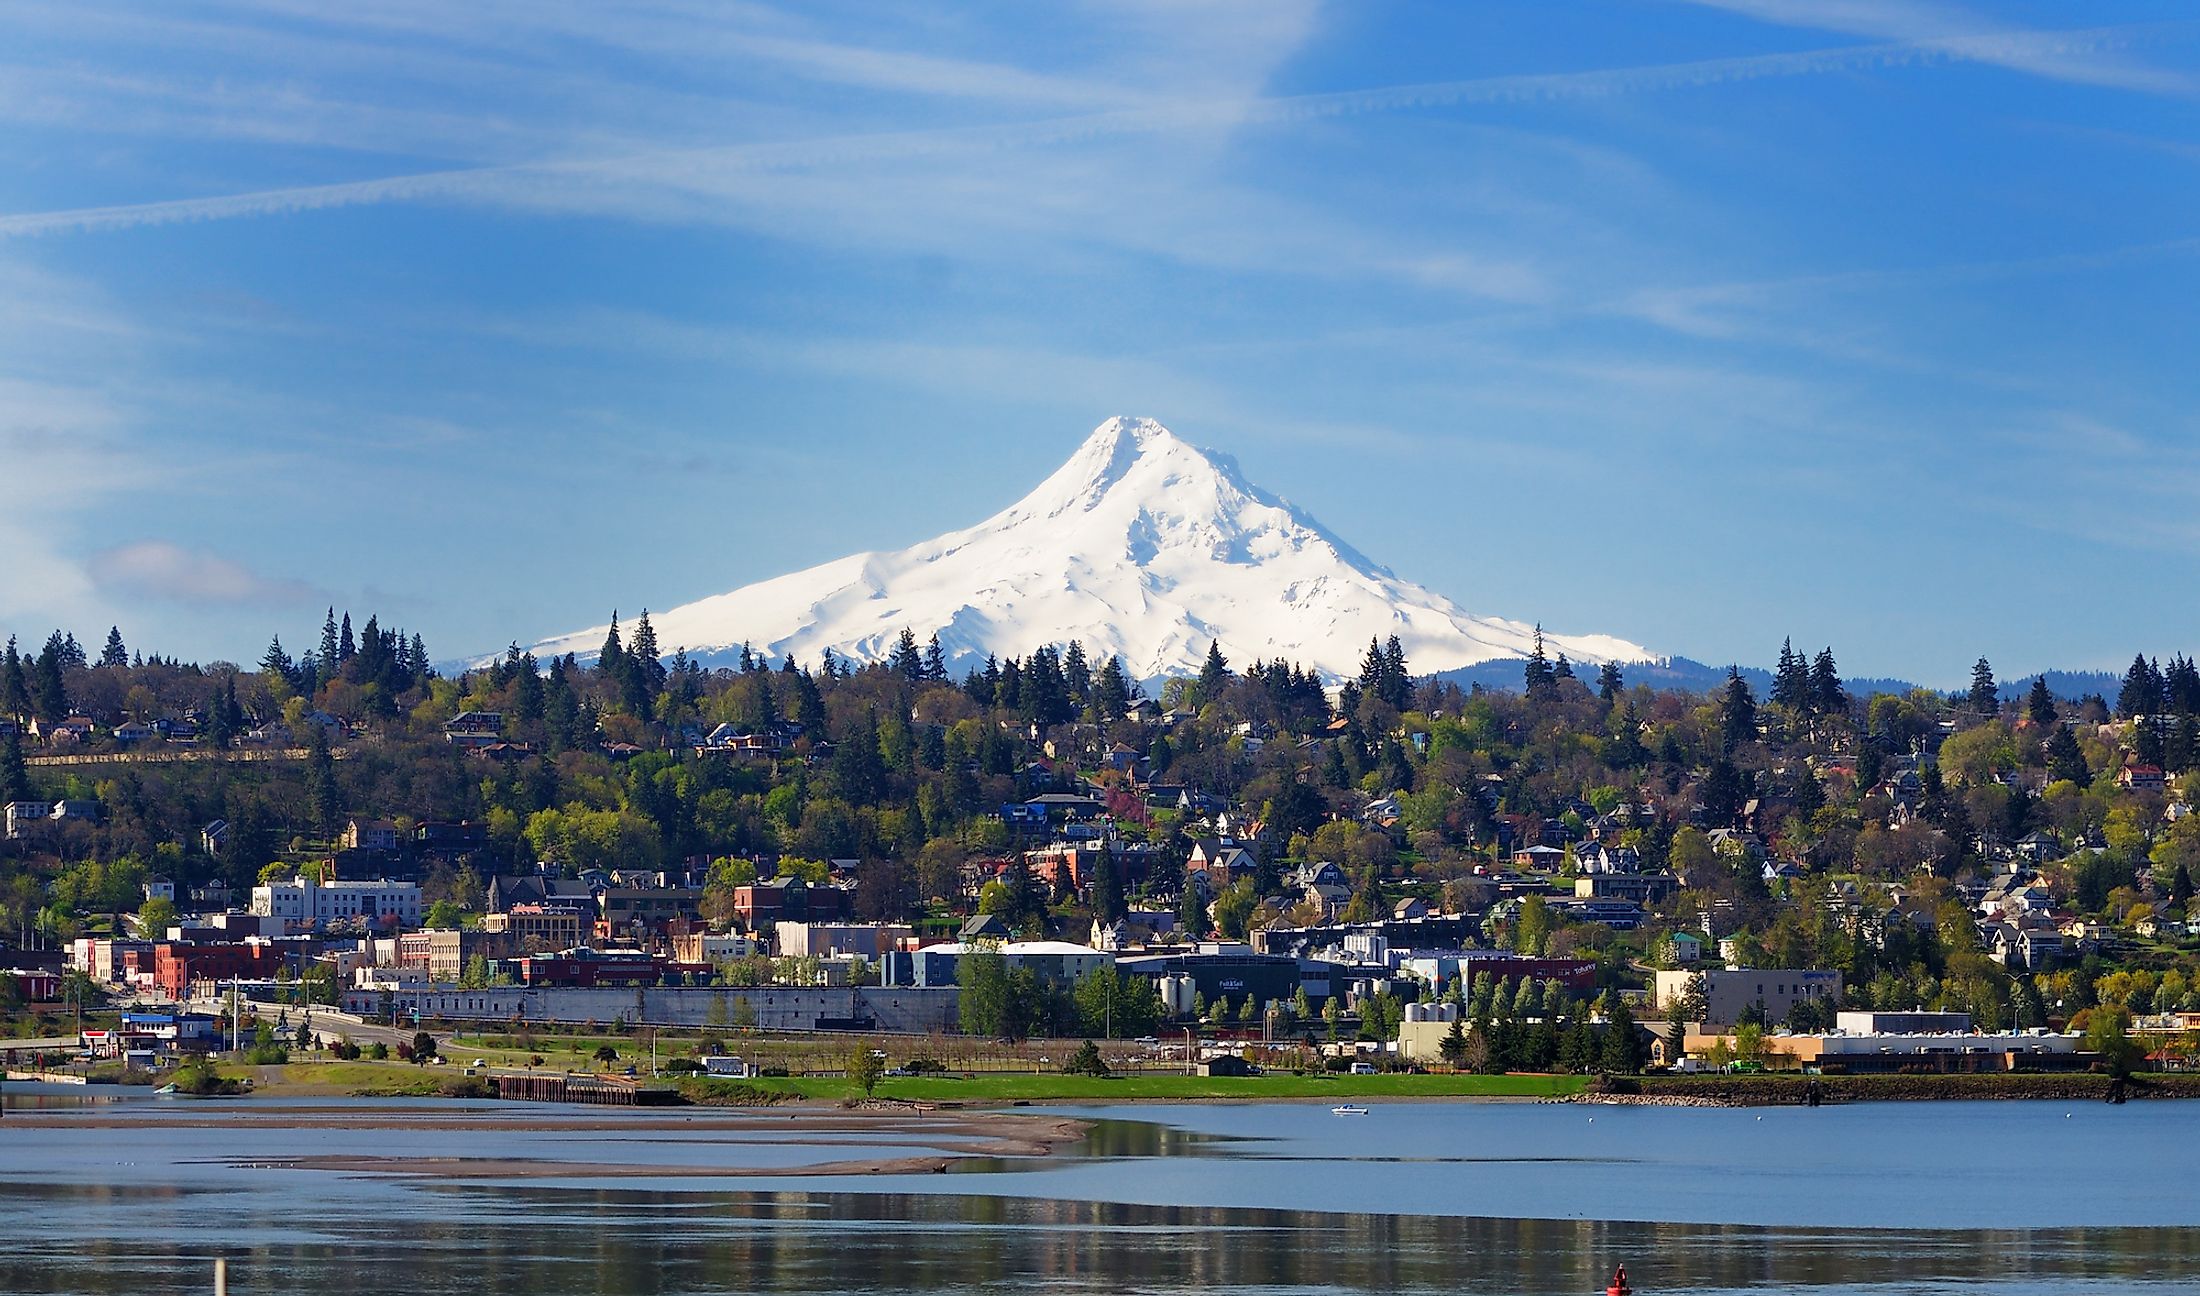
column 173, row 573
column 687, row 184
column 2094, row 58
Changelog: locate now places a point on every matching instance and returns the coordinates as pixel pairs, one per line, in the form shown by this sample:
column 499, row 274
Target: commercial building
column 939, row 965
column 304, row 900
column 831, row 940
column 1731, row 993
column 535, row 928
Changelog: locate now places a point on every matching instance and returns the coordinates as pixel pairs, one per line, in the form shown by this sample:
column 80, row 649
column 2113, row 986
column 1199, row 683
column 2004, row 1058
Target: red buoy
column 1619, row 1285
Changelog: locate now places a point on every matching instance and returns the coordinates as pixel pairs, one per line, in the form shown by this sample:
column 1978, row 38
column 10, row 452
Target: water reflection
column 547, row 1242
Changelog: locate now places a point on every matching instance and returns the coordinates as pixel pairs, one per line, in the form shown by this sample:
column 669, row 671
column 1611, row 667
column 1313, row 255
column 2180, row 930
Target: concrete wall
column 908, row 1010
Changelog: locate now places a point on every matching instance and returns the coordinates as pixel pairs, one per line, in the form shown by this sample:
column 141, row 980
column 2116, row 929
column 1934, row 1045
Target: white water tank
column 1177, row 993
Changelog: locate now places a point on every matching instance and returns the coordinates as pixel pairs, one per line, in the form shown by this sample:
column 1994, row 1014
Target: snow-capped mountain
column 1141, row 545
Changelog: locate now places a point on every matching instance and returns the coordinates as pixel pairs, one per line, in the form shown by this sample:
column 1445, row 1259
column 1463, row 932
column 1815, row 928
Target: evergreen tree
column 649, row 668
column 907, row 660
column 2180, row 888
column 15, row 777
column 1076, row 675
column 1397, row 681
column 1112, row 690
column 1622, row 1052
column 1827, row 694
column 49, row 692
column 1107, row 891
column 611, row 659
column 323, row 800
column 2146, row 740
column 1537, row 677
column 1737, row 711
column 15, row 686
column 2142, row 691
column 276, row 664
column 345, row 644
column 1985, row 696
column 748, row 659
column 328, row 643
column 2065, row 760
column 114, row 654
column 1214, row 673
column 935, row 660
column 1609, row 683
column 1791, row 680
column 1564, row 670
column 2039, row 704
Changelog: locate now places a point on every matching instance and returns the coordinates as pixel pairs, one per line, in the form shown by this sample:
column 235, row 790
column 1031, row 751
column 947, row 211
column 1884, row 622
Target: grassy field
column 1069, row 1088
column 403, row 1078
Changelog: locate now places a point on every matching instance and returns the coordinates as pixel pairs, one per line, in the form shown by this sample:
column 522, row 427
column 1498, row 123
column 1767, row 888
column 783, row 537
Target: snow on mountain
column 1141, row 545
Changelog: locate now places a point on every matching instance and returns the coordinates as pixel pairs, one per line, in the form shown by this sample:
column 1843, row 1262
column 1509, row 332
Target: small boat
column 1348, row 1109
column 165, row 1091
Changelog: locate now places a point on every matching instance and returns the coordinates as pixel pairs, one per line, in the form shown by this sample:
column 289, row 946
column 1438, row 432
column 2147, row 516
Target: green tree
column 155, row 917
column 2108, row 1036
column 1087, row 1061
column 424, row 1048
column 1985, row 695
column 1622, row 1052
column 865, row 1066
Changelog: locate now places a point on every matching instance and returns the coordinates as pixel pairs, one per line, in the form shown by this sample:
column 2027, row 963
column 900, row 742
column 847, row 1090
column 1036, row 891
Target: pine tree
column 327, row 654
column 611, row 658
column 1827, row 694
column 1112, row 690
column 1791, row 680
column 1214, row 673
column 2142, row 691
column 276, row 664
column 2065, row 760
column 935, row 661
column 114, row 654
column 1076, row 675
column 906, row 660
column 1610, row 683
column 1107, row 893
column 15, row 686
column 1397, row 680
column 1737, row 711
column 345, row 644
column 2039, row 704
column 323, row 801
column 649, row 668
column 49, row 691
column 1985, row 696
column 1537, row 677
column 15, row 777
column 748, row 659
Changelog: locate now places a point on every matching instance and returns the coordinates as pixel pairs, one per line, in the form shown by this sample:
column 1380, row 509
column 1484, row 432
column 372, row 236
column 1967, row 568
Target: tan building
column 1730, row 992
column 541, row 928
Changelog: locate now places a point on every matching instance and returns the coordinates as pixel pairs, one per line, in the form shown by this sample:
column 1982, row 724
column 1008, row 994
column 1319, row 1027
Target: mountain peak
column 1141, row 545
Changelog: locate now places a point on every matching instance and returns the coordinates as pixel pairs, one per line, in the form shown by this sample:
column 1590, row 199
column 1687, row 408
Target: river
column 2031, row 1198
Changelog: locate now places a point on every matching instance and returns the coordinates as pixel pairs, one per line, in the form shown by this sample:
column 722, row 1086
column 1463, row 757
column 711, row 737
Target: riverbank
column 1794, row 1091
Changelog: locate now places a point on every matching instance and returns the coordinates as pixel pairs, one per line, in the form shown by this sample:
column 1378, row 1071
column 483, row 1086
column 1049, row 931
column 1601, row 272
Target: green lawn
column 1068, row 1088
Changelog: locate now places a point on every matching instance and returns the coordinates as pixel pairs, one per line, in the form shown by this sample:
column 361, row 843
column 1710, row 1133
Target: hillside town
column 1387, row 872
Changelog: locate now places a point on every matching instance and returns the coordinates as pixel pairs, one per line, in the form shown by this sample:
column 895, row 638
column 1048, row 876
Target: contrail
column 677, row 167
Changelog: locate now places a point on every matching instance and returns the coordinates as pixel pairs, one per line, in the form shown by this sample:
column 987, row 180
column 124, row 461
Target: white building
column 303, row 900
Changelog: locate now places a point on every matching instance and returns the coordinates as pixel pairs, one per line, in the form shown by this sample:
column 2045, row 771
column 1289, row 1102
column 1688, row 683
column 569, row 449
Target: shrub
column 1086, row 1061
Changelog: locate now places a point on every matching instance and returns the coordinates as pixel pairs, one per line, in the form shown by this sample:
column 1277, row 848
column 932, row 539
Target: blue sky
column 1866, row 321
